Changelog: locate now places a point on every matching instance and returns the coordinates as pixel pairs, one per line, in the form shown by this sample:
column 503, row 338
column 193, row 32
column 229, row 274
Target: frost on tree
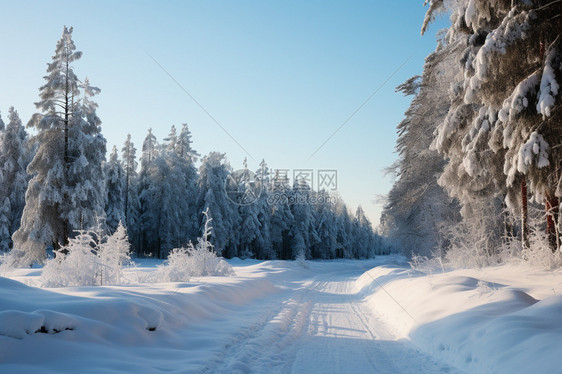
column 167, row 193
column 182, row 180
column 89, row 259
column 417, row 205
column 150, row 195
column 115, row 193
column 262, row 210
column 13, row 176
column 194, row 260
column 66, row 189
column 213, row 173
column 132, row 202
column 503, row 127
column 282, row 218
column 303, row 231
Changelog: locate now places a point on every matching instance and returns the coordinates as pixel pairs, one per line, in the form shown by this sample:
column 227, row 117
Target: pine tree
column 178, row 227
column 343, row 231
column 5, row 215
column 325, row 248
column 132, row 202
column 213, row 173
column 264, row 245
column 189, row 156
column 150, row 195
column 417, row 206
column 13, row 175
column 250, row 227
column 282, row 218
column 114, row 187
column 303, row 232
column 85, row 180
column 59, row 198
column 504, row 119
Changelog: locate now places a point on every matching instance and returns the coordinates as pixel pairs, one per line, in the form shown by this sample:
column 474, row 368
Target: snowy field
column 348, row 316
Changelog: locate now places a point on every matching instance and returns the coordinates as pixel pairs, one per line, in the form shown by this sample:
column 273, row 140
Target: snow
column 535, row 146
column 549, row 87
column 470, row 14
column 517, row 102
column 340, row 316
column 501, row 319
column 511, row 29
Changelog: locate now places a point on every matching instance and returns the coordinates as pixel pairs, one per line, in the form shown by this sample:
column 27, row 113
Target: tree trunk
column 524, row 215
column 65, row 224
column 552, row 209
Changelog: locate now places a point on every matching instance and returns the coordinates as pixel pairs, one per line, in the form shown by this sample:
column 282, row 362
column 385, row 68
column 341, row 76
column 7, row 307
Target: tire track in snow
column 265, row 346
column 320, row 325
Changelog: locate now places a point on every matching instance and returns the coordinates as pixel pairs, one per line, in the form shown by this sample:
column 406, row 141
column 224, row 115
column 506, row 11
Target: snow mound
column 479, row 321
column 17, row 324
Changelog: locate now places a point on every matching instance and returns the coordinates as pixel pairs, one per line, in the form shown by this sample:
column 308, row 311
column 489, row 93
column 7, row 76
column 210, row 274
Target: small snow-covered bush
column 7, row 263
column 195, row 260
column 74, row 265
column 301, row 260
column 427, row 265
column 539, row 254
column 86, row 261
column 113, row 253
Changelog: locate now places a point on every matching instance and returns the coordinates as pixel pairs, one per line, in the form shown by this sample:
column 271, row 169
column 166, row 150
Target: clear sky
column 279, row 76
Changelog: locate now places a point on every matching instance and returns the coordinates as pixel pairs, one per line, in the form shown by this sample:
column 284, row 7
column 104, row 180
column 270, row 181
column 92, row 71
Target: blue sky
column 279, row 76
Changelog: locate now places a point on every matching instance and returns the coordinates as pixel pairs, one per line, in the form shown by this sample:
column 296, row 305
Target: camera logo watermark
column 309, row 186
column 242, row 187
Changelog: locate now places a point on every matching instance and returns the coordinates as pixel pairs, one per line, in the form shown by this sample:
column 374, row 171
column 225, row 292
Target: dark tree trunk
column 524, row 215
column 552, row 209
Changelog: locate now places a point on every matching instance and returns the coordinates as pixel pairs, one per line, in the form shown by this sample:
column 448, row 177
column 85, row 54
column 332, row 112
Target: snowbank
column 503, row 319
column 135, row 328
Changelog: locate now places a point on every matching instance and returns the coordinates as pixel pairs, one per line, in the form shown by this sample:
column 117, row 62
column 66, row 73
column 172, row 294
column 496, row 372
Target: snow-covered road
column 318, row 325
column 288, row 317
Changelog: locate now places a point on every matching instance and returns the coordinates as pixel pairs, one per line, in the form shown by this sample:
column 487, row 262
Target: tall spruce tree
column 59, row 198
column 13, row 176
column 115, row 192
column 132, row 202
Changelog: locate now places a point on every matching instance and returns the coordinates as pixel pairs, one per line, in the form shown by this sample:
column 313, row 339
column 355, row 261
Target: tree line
column 481, row 143
column 58, row 182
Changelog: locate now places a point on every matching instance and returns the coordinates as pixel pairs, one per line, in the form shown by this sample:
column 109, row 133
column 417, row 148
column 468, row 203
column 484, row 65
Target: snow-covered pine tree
column 282, row 218
column 113, row 253
column 264, row 245
column 362, row 231
column 13, row 175
column 115, row 192
column 473, row 174
column 177, row 227
column 5, row 215
column 132, row 202
column 150, row 195
column 506, row 102
column 325, row 248
column 5, row 211
column 343, row 231
column 50, row 213
column 250, row 227
column 213, row 173
column 303, row 232
column 186, row 152
column 85, row 180
column 417, row 206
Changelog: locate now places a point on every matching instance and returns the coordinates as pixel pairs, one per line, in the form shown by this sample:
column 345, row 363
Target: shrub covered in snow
column 86, row 261
column 195, row 260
